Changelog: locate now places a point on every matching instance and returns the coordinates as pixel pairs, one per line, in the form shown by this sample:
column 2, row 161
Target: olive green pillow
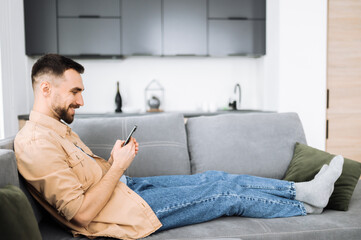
column 17, row 219
column 306, row 163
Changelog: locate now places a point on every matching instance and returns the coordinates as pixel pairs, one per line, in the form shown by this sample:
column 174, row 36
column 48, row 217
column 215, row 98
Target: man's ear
column 45, row 88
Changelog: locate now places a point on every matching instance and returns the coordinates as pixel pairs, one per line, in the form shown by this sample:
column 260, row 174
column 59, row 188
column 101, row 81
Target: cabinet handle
column 237, row 18
column 185, row 55
column 142, row 54
column 327, row 129
column 237, row 54
column 89, row 16
column 89, row 55
column 328, row 98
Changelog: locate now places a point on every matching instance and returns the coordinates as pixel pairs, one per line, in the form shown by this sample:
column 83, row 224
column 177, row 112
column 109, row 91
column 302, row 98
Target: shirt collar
column 59, row 127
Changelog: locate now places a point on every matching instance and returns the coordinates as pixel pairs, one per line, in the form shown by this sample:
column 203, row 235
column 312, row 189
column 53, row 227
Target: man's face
column 67, row 96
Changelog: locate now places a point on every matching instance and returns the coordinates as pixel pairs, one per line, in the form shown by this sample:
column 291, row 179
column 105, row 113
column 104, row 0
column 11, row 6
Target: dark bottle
column 118, row 100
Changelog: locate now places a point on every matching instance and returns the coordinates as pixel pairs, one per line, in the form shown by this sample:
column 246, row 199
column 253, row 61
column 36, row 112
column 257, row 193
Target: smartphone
column 130, row 135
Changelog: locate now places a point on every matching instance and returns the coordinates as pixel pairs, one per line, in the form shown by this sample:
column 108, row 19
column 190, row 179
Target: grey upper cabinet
column 142, row 27
column 236, row 27
column 237, row 9
column 236, row 37
column 111, row 28
column 185, row 27
column 89, row 27
column 97, row 36
column 40, row 27
column 88, row 8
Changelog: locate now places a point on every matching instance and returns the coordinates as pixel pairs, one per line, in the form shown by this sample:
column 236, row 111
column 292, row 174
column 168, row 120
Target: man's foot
column 318, row 191
column 312, row 210
column 322, row 170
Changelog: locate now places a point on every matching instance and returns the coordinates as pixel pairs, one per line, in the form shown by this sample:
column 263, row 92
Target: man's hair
column 54, row 64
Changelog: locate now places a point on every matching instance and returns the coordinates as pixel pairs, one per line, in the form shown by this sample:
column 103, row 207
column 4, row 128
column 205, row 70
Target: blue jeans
column 188, row 199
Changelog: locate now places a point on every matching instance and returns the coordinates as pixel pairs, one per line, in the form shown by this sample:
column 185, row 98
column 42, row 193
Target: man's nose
column 80, row 100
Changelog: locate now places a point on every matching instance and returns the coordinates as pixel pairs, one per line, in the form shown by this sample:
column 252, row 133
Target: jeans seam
column 214, row 197
column 292, row 191
column 265, row 187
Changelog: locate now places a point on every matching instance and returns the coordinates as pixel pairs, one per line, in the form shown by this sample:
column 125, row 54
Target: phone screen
column 130, row 135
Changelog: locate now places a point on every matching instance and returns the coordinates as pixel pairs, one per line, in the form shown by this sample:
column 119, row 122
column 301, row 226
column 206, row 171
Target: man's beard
column 63, row 113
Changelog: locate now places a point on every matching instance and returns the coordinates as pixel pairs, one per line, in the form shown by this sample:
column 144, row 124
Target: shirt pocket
column 77, row 163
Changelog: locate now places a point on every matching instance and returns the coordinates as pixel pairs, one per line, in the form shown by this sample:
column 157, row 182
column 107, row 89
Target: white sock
column 312, row 210
column 318, row 191
column 322, row 170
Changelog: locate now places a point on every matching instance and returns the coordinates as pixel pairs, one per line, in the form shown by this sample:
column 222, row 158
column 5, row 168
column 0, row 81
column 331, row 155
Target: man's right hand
column 97, row 196
column 123, row 156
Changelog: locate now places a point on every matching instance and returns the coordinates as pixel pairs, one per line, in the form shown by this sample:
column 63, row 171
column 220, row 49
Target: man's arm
column 97, row 197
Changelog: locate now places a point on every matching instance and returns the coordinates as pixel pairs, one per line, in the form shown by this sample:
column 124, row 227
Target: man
column 92, row 196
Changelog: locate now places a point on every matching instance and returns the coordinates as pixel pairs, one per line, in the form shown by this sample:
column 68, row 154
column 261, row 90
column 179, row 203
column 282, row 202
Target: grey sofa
column 259, row 144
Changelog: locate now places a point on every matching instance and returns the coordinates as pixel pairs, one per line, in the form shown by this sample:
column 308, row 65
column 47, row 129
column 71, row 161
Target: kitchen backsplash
column 190, row 84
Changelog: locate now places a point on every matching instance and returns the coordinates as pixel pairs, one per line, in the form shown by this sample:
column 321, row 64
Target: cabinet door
column 40, row 27
column 142, row 27
column 185, row 27
column 93, row 36
column 246, row 9
column 236, row 37
column 86, row 8
column 344, row 79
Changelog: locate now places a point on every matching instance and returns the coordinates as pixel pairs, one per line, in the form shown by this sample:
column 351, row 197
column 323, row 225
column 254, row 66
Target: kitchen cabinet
column 40, row 27
column 185, row 27
column 142, row 27
column 236, row 37
column 92, row 36
column 89, row 8
column 237, row 27
column 237, row 9
column 111, row 28
column 89, row 27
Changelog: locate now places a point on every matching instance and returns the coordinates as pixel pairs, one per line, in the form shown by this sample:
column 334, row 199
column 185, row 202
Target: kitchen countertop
column 186, row 114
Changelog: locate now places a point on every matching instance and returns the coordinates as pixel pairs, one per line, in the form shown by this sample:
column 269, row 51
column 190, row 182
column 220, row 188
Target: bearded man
column 93, row 197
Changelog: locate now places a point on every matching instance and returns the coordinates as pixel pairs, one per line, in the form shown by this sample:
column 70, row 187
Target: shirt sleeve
column 43, row 163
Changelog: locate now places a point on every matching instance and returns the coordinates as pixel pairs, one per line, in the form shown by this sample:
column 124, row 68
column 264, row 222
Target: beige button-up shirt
column 59, row 173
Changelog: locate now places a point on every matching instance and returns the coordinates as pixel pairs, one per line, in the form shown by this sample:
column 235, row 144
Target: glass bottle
column 118, row 100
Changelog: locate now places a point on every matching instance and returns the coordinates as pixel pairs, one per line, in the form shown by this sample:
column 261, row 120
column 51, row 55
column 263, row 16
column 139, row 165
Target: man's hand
column 124, row 155
column 97, row 196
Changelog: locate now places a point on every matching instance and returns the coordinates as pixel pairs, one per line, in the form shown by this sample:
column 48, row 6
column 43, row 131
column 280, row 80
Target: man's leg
column 189, row 199
column 273, row 186
column 181, row 204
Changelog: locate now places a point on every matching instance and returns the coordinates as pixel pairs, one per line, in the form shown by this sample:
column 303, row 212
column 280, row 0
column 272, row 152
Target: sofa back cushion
column 259, row 144
column 162, row 141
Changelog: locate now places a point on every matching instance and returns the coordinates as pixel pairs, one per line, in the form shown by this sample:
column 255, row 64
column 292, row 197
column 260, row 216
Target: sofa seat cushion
column 258, row 144
column 162, row 141
column 307, row 162
column 330, row 225
column 17, row 220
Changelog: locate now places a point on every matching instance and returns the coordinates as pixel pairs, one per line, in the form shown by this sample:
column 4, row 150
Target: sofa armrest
column 7, row 143
column 8, row 169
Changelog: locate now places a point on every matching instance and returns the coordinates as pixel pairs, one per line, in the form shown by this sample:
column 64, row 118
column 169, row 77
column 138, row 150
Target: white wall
column 190, row 83
column 302, row 65
column 2, row 135
column 291, row 77
column 15, row 86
